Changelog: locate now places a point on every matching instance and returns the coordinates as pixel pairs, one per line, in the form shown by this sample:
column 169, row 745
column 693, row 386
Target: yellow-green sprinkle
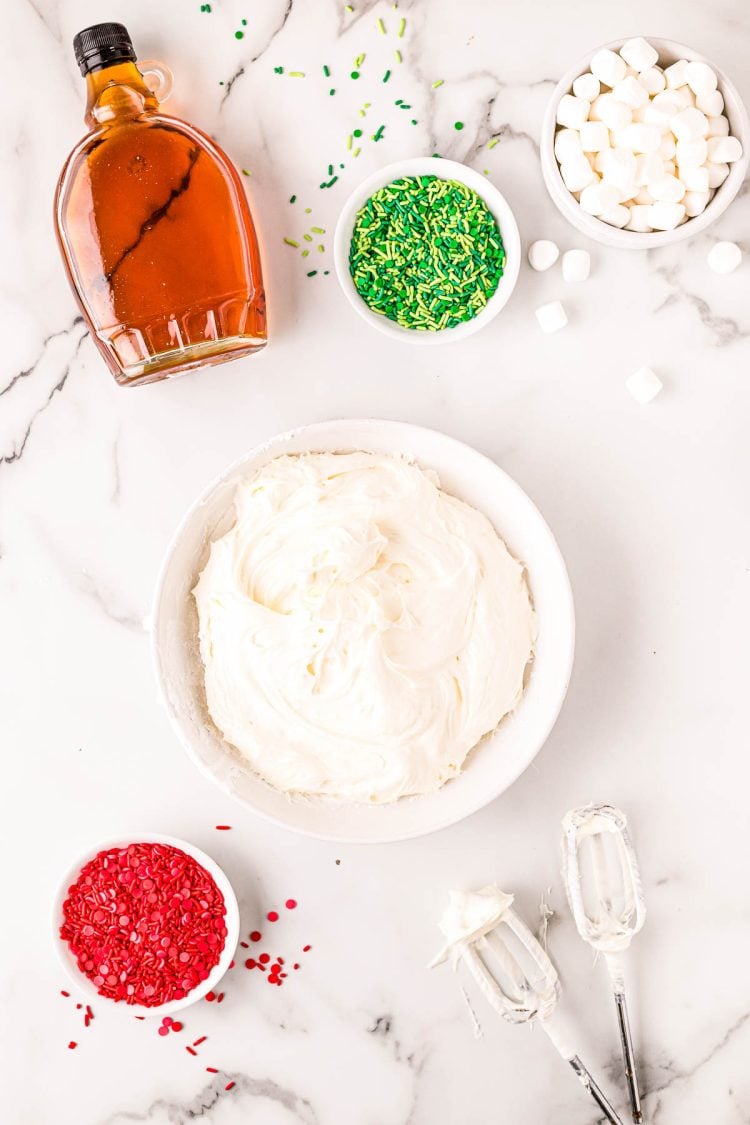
column 349, row 142
column 291, row 242
column 307, row 237
column 305, row 253
column 318, row 230
column 381, row 27
column 245, row 172
column 296, row 74
column 321, row 247
column 401, row 29
column 493, row 142
column 348, row 8
column 439, row 82
column 359, row 60
column 397, row 55
column 356, row 152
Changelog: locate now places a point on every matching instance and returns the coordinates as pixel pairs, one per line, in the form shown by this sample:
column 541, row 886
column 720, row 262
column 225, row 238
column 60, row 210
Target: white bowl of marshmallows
column 644, row 143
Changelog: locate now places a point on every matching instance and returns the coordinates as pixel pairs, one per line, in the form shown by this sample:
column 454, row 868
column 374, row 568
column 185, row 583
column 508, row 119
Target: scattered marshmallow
column 718, row 126
column 576, row 265
column 608, row 67
column 691, row 154
column 639, row 54
column 616, row 216
column 551, row 317
column 639, row 219
column 667, row 189
column 695, row 179
column 614, row 113
column 542, row 254
column 638, row 137
column 723, row 258
column 644, row 385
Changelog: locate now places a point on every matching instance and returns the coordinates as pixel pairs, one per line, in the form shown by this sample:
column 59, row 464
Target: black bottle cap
column 102, row 45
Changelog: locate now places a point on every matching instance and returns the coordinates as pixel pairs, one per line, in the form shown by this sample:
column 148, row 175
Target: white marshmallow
column 685, row 96
column 668, row 167
column 576, row 265
column 567, row 144
column 637, row 137
column 616, row 216
column 723, row 258
column 718, row 126
column 587, row 86
column 653, row 80
column 542, row 254
column 551, row 317
column 668, row 147
column 630, row 92
column 618, row 167
column 577, row 173
column 717, row 173
column 662, row 109
column 639, row 54
column 594, row 136
column 667, row 189
column 724, row 150
column 700, row 78
column 608, row 67
column 689, row 124
column 614, row 114
column 695, row 202
column 664, row 215
column 676, row 74
column 691, row 154
column 648, row 167
column 644, row 385
column 643, row 198
column 598, row 198
column 572, row 112
column 712, row 103
column 638, row 219
column 695, row 178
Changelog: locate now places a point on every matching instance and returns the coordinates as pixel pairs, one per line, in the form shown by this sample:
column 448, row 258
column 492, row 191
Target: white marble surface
column 649, row 506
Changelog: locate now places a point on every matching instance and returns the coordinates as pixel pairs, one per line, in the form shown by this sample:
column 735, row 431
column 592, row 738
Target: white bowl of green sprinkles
column 498, row 208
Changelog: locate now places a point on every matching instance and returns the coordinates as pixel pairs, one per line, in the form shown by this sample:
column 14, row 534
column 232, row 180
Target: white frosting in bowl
column 360, row 629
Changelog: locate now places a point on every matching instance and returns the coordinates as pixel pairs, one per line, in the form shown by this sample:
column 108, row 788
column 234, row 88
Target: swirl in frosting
column 361, row 630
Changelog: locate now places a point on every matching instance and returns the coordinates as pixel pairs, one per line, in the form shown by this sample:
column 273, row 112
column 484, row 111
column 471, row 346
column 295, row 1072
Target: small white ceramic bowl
column 493, row 765
column 82, row 983
column 739, row 127
column 446, row 170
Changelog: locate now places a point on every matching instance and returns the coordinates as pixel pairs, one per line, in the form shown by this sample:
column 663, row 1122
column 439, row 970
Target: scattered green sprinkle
column 386, row 76
column 291, row 242
column 244, row 23
column 278, row 70
column 426, row 253
column 348, row 8
column 493, row 142
column 326, row 273
column 327, row 72
column 245, row 172
column 358, row 61
column 305, row 253
column 307, row 237
column 354, row 74
column 239, row 34
column 330, row 169
column 318, row 230
column 321, row 247
column 331, row 93
column 397, row 55
column 292, row 198
column 414, row 121
column 296, row 74
column 401, row 29
column 357, row 133
column 381, row 27
column 379, row 133
column 312, row 273
column 458, row 125
column 308, row 210
column 439, row 82
column 356, row 152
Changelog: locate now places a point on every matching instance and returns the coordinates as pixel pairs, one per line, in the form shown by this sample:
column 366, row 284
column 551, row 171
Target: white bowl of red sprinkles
column 149, row 922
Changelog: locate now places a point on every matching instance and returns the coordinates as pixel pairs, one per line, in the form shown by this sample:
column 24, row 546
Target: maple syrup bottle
column 154, row 227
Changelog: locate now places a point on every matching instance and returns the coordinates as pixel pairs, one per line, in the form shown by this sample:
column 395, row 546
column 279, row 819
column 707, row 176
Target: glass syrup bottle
column 154, row 227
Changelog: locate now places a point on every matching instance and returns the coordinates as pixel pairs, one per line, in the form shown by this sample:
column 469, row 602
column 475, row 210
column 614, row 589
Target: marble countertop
column 649, row 505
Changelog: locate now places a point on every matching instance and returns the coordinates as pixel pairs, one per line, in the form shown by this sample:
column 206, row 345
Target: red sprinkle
column 72, row 1045
column 223, row 827
column 176, row 1026
column 212, row 1070
column 219, row 998
column 231, row 964
column 264, row 958
column 244, row 945
column 164, row 1031
column 202, row 1039
column 306, row 948
column 256, row 935
column 146, row 923
column 229, row 1085
column 63, row 992
column 290, row 903
column 190, row 1051
column 272, row 916
column 167, row 1021
column 295, row 965
column 250, row 963
column 210, row 996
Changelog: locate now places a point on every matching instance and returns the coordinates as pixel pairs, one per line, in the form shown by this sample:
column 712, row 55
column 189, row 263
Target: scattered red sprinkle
column 223, row 827
column 219, row 998
column 89, row 1013
column 164, row 1031
column 272, row 916
column 280, row 960
column 250, row 963
column 190, row 1051
column 212, row 1070
column 176, row 1026
column 210, row 996
column 264, row 958
column 202, row 1039
column 229, row 1085
column 167, row 1021
column 295, row 965
column 306, row 948
column 231, row 965
column 72, row 1045
column 291, row 903
column 244, row 945
column 146, row 923
column 140, row 1017
column 86, row 1020
column 63, row 992
column 256, row 935
column 78, row 1007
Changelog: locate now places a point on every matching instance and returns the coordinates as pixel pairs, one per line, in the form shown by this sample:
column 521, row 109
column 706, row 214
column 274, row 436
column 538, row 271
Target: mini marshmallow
column 567, row 144
column 664, row 215
column 608, row 67
column 700, row 78
column 685, row 96
column 616, row 216
column 695, row 178
column 668, row 147
column 718, row 126
column 576, row 265
column 630, row 92
column 643, row 197
column 717, row 173
column 676, row 74
column 614, row 114
column 551, row 317
column 639, row 54
column 542, row 254
column 638, row 137
column 667, row 189
column 638, row 220
column 712, row 104
column 662, row 109
column 618, row 167
column 722, row 258
column 668, row 167
column 644, row 385
column 594, row 136
column 689, row 124
column 691, row 154
column 648, row 167
column 695, row 202
column 652, row 80
column 598, row 198
column 572, row 112
column 577, row 173
column 724, row 150
column 587, row 86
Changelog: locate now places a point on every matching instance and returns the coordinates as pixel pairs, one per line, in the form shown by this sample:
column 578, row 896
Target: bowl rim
column 232, row 915
column 448, row 170
column 275, row 446
column 638, row 240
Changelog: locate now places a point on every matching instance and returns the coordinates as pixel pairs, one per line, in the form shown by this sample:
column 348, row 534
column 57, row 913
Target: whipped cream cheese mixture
column 360, row 629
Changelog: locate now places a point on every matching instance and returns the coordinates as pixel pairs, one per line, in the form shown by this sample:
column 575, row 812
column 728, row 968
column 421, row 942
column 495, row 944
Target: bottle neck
column 115, row 93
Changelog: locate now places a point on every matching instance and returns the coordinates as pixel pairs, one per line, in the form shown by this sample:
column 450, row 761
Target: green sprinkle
column 354, row 74
column 349, row 142
column 312, row 273
column 239, row 34
column 348, row 8
column 308, row 210
column 244, row 23
column 493, row 142
column 296, row 74
column 414, row 121
column 318, row 230
column 439, row 82
column 321, row 247
column 458, row 125
column 291, row 242
column 377, row 135
column 305, row 253
column 330, row 169
column 357, row 133
column 401, row 29
column 397, row 55
column 356, row 152
column 245, row 172
column 331, row 93
column 359, row 60
column 327, row 72
column 386, row 76
column 292, row 198
column 381, row 27
column 307, row 237
column 326, row 273
column 278, row 70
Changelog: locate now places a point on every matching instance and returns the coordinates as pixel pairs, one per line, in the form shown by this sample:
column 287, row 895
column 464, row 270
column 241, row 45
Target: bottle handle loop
column 158, row 77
